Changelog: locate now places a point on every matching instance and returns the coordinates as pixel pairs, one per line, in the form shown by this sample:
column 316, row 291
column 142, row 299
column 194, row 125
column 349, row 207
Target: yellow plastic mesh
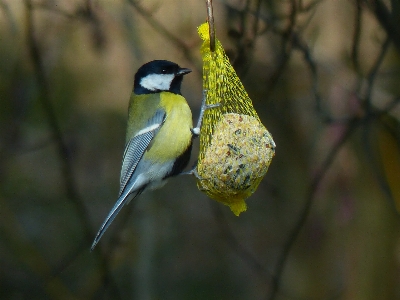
column 235, row 148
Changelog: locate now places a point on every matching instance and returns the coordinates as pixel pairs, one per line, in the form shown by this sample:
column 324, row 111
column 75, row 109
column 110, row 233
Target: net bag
column 235, row 147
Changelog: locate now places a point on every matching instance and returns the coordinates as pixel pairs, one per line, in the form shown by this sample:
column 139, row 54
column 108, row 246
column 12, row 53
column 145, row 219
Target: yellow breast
column 175, row 136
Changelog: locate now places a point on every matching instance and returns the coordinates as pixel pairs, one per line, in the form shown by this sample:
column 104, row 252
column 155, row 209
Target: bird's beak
column 183, row 71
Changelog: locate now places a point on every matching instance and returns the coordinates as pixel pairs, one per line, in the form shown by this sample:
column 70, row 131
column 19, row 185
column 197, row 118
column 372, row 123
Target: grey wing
column 136, row 147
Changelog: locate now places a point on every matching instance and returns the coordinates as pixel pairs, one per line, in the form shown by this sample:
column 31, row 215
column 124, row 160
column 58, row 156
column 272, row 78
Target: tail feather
column 124, row 199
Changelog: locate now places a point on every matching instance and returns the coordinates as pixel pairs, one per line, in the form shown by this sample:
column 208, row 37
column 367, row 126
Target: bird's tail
column 122, row 200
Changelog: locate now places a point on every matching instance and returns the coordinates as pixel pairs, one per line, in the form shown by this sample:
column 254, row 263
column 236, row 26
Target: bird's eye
column 164, row 71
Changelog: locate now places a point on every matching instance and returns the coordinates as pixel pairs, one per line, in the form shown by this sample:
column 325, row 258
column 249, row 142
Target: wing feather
column 136, row 147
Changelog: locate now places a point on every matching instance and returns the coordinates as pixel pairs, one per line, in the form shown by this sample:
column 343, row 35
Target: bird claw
column 193, row 172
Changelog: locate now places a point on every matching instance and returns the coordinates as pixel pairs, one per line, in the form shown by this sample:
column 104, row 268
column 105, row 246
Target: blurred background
column 324, row 76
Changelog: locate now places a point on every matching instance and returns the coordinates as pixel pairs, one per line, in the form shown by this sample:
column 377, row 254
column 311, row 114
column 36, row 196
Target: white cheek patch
column 157, row 82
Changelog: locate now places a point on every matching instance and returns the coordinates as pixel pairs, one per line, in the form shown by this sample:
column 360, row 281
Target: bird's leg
column 203, row 108
column 192, row 171
column 196, row 131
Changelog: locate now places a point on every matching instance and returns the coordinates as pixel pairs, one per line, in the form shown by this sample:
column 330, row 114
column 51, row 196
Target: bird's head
column 157, row 76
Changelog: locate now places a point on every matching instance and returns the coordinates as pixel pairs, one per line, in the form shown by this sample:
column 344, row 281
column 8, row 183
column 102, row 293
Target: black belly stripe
column 181, row 162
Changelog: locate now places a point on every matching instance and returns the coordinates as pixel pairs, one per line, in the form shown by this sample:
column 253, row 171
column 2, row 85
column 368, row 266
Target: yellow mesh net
column 235, row 148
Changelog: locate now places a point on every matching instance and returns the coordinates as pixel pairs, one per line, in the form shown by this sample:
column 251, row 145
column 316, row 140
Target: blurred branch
column 300, row 45
column 356, row 37
column 88, row 13
column 395, row 4
column 7, row 12
column 163, row 31
column 392, row 105
column 255, row 26
column 303, row 215
column 372, row 75
column 37, row 146
column 385, row 18
column 351, row 125
column 246, row 35
column 70, row 186
column 56, row 10
column 68, row 259
column 12, row 231
column 63, row 152
column 371, row 114
column 232, row 241
column 309, row 6
column 84, row 12
column 392, row 126
column 286, row 46
column 377, row 171
column 291, row 40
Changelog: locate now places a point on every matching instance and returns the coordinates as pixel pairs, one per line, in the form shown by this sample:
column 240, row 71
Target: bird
column 159, row 134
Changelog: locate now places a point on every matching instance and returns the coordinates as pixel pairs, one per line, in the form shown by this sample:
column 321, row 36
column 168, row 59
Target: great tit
column 159, row 133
